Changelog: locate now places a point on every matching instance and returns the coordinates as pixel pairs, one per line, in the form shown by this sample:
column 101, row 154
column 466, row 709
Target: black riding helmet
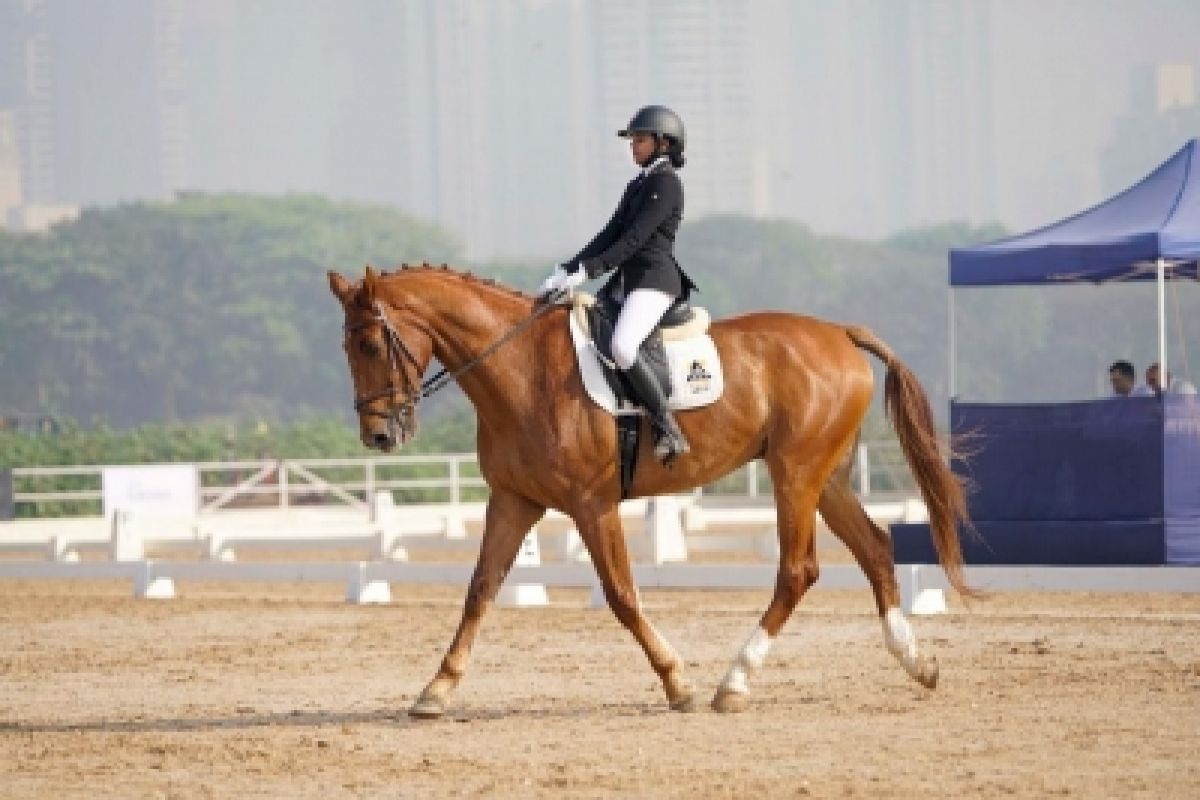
column 660, row 121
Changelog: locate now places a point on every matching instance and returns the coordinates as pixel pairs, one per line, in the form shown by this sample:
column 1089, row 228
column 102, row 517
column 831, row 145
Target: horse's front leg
column 604, row 537
column 509, row 517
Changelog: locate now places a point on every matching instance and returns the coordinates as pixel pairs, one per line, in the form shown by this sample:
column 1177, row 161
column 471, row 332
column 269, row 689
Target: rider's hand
column 574, row 279
column 554, row 282
column 560, row 283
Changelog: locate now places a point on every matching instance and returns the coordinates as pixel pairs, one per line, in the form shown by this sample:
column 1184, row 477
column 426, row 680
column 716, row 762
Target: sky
column 496, row 119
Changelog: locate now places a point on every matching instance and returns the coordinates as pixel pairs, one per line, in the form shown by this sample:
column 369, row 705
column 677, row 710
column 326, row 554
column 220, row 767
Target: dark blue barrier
column 1181, row 478
column 1114, row 481
column 1051, row 543
column 1101, row 460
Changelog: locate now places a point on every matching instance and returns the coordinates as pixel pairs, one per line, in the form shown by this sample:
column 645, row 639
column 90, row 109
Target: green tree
column 208, row 306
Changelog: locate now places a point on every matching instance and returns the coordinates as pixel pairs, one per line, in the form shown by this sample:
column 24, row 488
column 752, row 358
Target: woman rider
column 638, row 244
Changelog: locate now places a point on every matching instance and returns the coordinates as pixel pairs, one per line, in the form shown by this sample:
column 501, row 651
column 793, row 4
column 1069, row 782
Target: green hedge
column 248, row 441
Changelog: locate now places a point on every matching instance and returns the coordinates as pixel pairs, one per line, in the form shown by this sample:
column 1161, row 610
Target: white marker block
column 362, row 590
column 147, row 586
column 523, row 595
column 665, row 530
column 929, row 602
column 915, row 599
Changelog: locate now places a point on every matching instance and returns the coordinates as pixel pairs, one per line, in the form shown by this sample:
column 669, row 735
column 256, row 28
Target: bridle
column 402, row 416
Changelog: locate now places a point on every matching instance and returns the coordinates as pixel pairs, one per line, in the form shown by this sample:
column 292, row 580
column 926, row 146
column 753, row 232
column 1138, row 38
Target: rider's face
column 642, row 146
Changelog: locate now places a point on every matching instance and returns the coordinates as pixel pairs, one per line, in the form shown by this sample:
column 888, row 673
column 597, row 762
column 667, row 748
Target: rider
column 637, row 243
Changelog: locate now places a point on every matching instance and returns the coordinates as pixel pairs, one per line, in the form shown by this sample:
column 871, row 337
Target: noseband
column 402, row 415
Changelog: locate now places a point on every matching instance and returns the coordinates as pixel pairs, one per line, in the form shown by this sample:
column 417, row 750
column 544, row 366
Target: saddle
column 679, row 352
column 597, row 317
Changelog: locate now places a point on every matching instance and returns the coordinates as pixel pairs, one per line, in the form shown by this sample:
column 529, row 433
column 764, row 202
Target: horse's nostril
column 382, row 440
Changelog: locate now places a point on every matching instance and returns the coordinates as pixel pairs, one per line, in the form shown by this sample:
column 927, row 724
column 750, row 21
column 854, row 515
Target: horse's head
column 388, row 348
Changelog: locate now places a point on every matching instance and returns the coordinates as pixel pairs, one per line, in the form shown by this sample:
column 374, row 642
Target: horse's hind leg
column 604, row 537
column 872, row 548
column 509, row 517
column 795, row 505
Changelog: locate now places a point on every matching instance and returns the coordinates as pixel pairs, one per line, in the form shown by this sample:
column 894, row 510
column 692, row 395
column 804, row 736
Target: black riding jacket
column 638, row 242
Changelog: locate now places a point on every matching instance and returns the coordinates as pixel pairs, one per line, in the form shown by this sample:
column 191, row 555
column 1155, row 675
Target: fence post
column 6, row 494
column 125, row 542
column 369, row 484
column 282, row 472
column 864, row 469
column 752, row 479
column 455, row 486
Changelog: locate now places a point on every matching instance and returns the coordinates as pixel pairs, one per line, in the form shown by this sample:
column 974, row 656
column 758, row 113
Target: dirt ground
column 286, row 691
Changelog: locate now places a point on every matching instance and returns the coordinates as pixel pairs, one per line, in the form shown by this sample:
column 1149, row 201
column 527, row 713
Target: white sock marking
column 749, row 660
column 901, row 642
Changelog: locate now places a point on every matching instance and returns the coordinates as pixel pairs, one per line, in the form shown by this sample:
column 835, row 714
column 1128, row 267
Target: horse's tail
column 906, row 405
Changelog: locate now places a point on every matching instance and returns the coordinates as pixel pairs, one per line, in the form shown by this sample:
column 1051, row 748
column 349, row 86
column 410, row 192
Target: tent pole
column 952, row 378
column 1162, row 324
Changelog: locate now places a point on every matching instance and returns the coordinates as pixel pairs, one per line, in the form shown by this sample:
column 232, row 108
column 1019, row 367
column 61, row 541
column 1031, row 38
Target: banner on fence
column 166, row 489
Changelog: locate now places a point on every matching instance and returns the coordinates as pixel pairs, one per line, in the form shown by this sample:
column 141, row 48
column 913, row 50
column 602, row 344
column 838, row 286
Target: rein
column 403, row 414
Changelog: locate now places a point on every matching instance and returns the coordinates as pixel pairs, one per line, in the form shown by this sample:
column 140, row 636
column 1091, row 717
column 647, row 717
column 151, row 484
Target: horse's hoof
column 728, row 702
column 427, row 708
column 927, row 672
column 685, row 704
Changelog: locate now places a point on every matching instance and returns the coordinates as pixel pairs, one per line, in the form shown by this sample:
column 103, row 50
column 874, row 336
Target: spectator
column 1173, row 385
column 1123, row 376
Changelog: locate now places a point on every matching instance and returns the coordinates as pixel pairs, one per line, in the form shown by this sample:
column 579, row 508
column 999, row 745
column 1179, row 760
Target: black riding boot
column 668, row 439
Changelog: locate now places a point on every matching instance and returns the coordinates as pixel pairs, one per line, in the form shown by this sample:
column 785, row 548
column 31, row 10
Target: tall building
column 118, row 132
column 950, row 86
column 497, row 119
column 688, row 55
column 26, row 94
column 11, row 195
column 1162, row 114
column 880, row 113
column 84, row 125
column 171, row 100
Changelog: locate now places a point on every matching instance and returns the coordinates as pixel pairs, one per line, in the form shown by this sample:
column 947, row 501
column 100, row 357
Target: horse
column 796, row 392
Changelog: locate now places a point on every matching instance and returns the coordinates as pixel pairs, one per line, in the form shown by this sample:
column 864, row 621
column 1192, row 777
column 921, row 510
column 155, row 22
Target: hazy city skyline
column 497, row 119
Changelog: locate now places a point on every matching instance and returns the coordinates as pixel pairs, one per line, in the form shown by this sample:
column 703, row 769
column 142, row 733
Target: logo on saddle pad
column 698, row 378
column 695, row 366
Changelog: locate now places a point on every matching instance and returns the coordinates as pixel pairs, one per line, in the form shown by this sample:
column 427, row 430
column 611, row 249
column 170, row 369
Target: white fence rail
column 344, row 504
column 448, row 478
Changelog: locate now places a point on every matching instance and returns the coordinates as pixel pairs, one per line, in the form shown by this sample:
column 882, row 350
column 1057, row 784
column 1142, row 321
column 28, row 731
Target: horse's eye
column 369, row 348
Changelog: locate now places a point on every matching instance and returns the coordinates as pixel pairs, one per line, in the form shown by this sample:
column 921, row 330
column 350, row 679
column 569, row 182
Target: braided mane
column 449, row 271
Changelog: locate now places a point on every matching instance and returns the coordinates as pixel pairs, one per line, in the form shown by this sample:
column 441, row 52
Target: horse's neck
column 465, row 319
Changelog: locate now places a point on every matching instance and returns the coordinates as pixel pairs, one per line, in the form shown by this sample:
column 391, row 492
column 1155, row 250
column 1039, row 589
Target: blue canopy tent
column 1114, row 481
column 1148, row 232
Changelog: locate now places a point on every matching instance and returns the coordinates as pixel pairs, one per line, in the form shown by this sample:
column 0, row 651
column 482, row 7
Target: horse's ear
column 366, row 295
column 342, row 289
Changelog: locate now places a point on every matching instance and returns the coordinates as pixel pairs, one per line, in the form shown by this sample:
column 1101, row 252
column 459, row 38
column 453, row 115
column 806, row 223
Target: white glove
column 574, row 279
column 554, row 282
column 562, row 281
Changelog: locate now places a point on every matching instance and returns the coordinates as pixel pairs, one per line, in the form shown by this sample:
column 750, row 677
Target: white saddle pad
column 696, row 376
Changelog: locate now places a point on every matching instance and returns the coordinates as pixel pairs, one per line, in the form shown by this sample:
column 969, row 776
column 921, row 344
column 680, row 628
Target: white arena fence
column 386, row 507
column 442, row 478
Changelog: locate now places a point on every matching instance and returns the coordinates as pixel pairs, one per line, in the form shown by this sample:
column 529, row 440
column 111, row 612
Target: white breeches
column 640, row 312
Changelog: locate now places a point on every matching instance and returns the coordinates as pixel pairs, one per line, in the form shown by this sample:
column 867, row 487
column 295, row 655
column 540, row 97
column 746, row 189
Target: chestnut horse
column 796, row 392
